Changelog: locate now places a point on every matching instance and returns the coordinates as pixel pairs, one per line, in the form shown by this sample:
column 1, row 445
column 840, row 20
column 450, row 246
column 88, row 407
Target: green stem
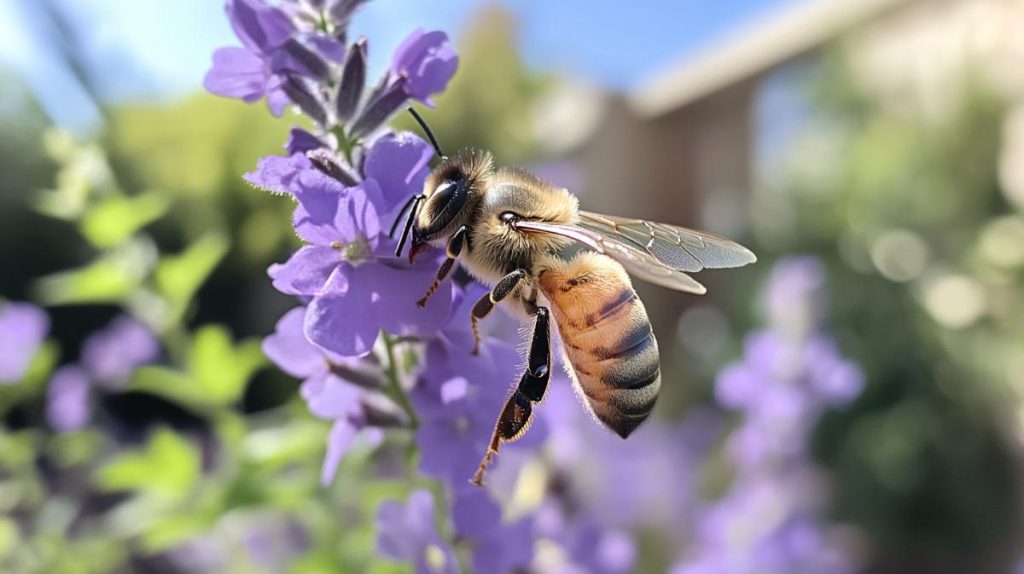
column 394, row 388
column 345, row 145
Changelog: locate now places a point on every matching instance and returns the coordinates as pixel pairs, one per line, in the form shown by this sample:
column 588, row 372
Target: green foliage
column 178, row 277
column 113, row 277
column 216, row 373
column 115, row 218
column 921, row 460
column 168, row 466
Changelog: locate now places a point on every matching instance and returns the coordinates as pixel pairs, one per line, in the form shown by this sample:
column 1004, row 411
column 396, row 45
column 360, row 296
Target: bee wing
column 636, row 261
column 680, row 248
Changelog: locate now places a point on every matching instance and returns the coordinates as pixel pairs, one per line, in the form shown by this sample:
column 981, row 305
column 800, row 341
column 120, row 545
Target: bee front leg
column 503, row 288
column 453, row 249
column 515, row 417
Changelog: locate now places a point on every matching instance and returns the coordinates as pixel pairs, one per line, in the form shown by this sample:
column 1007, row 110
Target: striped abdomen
column 606, row 336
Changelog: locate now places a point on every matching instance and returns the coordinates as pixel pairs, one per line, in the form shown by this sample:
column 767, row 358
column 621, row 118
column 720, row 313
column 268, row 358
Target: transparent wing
column 680, row 248
column 637, row 262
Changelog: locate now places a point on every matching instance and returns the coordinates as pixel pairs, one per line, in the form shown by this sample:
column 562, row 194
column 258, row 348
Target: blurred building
column 689, row 147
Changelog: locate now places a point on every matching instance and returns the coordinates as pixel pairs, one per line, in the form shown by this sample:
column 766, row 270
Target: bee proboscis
column 543, row 256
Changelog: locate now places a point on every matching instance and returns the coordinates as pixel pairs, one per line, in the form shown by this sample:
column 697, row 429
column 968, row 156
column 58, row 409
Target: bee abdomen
column 607, row 339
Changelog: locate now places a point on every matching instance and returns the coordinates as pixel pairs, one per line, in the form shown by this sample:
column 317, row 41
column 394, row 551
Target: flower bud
column 301, row 95
column 353, row 79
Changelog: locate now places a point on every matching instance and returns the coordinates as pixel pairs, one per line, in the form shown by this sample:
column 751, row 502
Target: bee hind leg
column 503, row 288
column 452, row 250
column 516, row 416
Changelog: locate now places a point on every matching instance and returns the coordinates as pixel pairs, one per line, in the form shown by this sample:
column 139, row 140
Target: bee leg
column 453, row 249
column 515, row 417
column 503, row 288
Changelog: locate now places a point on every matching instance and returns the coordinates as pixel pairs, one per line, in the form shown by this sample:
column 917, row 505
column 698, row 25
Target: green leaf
column 32, row 382
column 170, row 384
column 110, row 279
column 173, row 530
column 221, row 368
column 169, row 466
column 74, row 448
column 179, row 277
column 217, row 372
column 8, row 536
column 117, row 217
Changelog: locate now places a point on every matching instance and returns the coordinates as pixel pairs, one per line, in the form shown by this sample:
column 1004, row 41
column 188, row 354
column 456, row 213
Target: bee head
column 445, row 204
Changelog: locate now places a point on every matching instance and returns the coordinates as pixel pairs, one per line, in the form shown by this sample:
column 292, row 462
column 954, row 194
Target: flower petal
column 342, row 320
column 278, row 174
column 301, row 141
column 306, row 272
column 236, row 73
column 399, row 164
column 331, row 398
column 289, row 349
column 260, row 27
column 428, row 61
column 395, row 293
column 343, row 434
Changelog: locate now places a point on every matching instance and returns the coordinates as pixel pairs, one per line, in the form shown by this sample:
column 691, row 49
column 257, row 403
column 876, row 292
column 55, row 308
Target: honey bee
column 541, row 255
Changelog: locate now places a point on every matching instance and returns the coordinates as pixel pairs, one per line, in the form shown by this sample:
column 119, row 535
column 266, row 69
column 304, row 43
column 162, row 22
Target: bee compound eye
column 444, row 192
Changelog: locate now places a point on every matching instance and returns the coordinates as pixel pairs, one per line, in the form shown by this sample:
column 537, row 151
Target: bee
column 542, row 256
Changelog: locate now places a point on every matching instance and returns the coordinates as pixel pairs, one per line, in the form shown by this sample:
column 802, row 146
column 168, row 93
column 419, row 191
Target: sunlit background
column 871, row 152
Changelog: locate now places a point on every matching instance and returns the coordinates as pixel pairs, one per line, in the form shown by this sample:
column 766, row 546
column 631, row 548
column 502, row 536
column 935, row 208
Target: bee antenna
column 426, row 130
column 416, row 201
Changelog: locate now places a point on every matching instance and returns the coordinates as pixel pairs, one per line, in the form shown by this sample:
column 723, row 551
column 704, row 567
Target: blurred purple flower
column 497, row 546
column 770, row 518
column 427, row 61
column 589, row 547
column 795, row 297
column 67, row 399
column 111, row 354
column 23, row 327
column 409, row 533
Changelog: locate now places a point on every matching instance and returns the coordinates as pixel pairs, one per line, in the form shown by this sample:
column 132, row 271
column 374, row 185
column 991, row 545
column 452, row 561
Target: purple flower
column 427, row 61
column 112, row 354
column 289, row 349
column 399, row 163
column 22, row 329
column 358, row 287
column 332, row 398
column 328, row 396
column 795, row 296
column 497, row 546
column 67, row 399
column 769, row 520
column 588, row 546
column 459, row 396
column 253, row 71
column 279, row 174
column 409, row 533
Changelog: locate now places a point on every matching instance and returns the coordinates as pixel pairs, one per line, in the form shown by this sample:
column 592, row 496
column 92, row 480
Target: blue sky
column 145, row 49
